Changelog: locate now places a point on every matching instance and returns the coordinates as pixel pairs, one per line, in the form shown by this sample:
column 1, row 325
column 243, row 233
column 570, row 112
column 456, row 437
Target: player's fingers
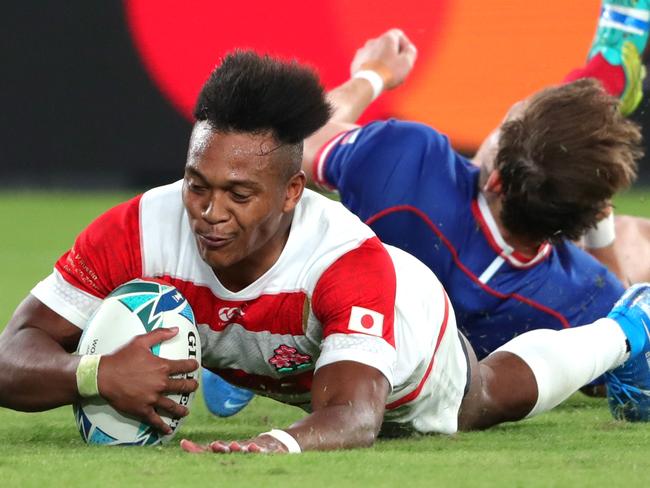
column 180, row 366
column 235, row 446
column 395, row 34
column 252, row 447
column 193, row 447
column 157, row 422
column 410, row 52
column 220, row 447
column 157, row 336
column 389, row 39
column 181, row 385
column 170, row 407
column 404, row 41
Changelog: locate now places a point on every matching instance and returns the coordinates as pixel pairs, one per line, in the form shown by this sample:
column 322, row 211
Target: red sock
column 611, row 77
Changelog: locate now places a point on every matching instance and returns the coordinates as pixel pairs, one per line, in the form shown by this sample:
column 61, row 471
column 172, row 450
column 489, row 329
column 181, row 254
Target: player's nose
column 215, row 210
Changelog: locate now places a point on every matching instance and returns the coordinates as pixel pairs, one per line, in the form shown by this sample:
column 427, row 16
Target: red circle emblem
column 367, row 321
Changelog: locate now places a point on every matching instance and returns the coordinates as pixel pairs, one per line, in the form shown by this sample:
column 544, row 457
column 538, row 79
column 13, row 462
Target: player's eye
column 195, row 187
column 239, row 197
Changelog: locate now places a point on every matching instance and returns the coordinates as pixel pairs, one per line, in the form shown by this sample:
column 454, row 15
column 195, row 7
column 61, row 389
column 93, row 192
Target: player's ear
column 493, row 183
column 294, row 189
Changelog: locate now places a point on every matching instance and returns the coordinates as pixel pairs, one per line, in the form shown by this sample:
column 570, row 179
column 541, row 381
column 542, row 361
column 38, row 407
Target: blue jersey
column 418, row 194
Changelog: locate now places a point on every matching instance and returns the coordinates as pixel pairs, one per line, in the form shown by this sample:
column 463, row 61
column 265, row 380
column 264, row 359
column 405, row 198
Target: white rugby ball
column 135, row 308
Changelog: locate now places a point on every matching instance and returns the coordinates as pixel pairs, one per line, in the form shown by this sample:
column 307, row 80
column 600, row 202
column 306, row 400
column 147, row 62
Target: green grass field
column 578, row 444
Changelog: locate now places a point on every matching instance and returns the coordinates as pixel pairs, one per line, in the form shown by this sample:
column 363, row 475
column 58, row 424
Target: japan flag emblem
column 366, row 321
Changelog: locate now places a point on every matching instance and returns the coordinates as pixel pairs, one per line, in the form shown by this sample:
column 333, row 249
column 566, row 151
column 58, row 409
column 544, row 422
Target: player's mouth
column 214, row 241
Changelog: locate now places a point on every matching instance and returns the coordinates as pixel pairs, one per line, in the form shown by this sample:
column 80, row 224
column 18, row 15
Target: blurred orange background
column 475, row 57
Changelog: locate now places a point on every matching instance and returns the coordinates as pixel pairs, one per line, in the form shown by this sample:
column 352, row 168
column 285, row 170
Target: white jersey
column 335, row 294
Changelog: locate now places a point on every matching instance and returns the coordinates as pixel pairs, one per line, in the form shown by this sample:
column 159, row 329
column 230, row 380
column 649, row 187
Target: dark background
column 78, row 109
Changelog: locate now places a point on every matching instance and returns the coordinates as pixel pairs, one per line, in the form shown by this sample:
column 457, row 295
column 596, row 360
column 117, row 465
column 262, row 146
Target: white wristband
column 372, row 77
column 87, row 376
column 602, row 235
column 287, row 439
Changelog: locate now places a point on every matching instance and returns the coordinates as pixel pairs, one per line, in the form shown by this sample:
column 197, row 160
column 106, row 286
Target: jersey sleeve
column 354, row 300
column 105, row 255
column 392, row 163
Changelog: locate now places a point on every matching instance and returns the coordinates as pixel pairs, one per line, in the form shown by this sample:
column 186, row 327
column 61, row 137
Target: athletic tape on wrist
column 602, row 235
column 87, row 375
column 372, row 77
column 287, row 439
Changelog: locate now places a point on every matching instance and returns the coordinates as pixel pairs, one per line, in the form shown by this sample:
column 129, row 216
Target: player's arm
column 631, row 247
column 37, row 371
column 348, row 402
column 600, row 242
column 383, row 63
column 346, row 413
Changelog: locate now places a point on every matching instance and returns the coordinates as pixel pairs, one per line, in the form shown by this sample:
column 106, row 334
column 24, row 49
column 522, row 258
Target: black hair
column 254, row 93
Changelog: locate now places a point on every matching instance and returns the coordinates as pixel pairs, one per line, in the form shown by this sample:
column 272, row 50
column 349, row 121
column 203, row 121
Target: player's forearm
column 337, row 427
column 36, row 373
column 350, row 100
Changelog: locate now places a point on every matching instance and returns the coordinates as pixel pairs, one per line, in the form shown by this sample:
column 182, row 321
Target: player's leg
column 222, row 398
column 615, row 54
column 539, row 369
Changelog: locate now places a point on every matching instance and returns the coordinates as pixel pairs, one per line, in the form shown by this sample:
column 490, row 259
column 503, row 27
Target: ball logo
column 229, row 313
column 186, row 397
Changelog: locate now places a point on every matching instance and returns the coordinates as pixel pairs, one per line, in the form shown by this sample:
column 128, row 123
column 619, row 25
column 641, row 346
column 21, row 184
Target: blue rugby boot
column 628, row 386
column 621, row 38
column 222, row 398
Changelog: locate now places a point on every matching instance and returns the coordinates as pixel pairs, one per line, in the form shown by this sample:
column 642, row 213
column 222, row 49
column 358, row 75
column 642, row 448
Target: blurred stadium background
column 99, row 94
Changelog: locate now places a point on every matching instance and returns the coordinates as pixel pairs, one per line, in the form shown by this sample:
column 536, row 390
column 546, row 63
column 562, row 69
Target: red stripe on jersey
column 281, row 313
column 288, row 385
column 462, row 267
column 415, row 393
column 363, row 277
column 107, row 253
column 319, row 162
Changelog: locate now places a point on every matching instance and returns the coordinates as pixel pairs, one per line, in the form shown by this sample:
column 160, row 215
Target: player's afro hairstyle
column 255, row 94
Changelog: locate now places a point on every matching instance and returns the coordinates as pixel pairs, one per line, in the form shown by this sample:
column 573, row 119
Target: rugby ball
column 135, row 308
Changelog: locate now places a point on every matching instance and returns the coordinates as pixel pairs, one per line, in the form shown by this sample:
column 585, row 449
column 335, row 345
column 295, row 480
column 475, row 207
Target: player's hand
column 262, row 444
column 149, row 380
column 391, row 54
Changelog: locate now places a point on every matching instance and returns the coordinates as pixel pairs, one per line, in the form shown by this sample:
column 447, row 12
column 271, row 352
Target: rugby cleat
column 628, row 386
column 620, row 39
column 222, row 398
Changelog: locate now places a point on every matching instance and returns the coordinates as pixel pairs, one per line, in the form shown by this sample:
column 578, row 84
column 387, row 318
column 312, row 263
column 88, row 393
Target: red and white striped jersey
column 336, row 293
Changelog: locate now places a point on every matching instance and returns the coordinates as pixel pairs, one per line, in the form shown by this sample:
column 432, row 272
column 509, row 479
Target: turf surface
column 578, row 444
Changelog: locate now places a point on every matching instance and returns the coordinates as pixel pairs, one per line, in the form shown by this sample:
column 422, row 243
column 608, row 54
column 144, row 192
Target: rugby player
column 322, row 314
column 499, row 238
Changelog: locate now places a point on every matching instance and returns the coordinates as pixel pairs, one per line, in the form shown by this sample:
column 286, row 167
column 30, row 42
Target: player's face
column 238, row 201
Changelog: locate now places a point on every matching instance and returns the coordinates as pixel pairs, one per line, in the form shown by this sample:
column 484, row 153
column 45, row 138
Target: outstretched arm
column 390, row 57
column 348, row 402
